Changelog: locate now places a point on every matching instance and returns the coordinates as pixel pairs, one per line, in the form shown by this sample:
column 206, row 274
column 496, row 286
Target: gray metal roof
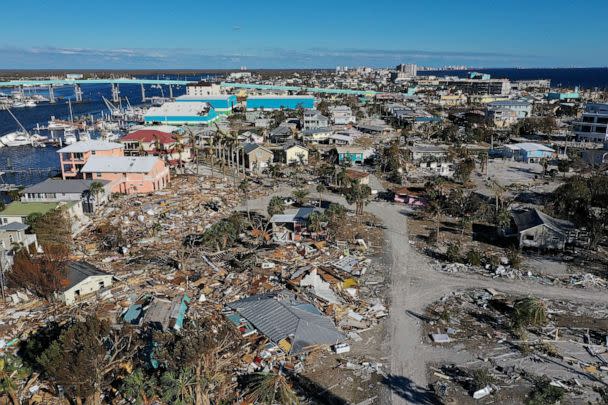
column 293, row 215
column 93, row 144
column 13, row 226
column 280, row 315
column 530, row 219
column 75, row 186
column 79, row 271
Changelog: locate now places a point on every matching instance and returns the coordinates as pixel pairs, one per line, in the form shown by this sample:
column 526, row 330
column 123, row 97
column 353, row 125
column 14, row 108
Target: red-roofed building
column 150, row 142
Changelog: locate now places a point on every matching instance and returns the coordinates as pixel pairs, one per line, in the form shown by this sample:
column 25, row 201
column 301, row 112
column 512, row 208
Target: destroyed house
column 82, row 279
column 294, row 325
column 535, row 229
column 164, row 314
column 288, row 227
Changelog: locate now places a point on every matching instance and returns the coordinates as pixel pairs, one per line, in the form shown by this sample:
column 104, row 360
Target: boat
column 30, row 103
column 57, row 125
column 17, row 138
column 39, row 138
column 69, row 137
column 18, row 104
column 84, row 136
column 109, row 136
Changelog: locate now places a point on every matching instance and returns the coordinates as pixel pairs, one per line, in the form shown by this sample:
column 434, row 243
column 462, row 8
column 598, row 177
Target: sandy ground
column 415, row 285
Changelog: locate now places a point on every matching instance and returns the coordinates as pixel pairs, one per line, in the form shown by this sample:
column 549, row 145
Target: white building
column 203, row 89
column 314, row 119
column 410, row 69
column 83, row 279
column 592, row 125
column 522, row 108
column 342, row 115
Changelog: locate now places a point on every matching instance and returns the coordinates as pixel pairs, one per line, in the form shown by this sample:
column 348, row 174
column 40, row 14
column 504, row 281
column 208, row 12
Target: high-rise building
column 409, row 69
column 592, row 127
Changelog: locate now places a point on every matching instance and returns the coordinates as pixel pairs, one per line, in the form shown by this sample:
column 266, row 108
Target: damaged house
column 83, row 279
column 294, row 325
column 534, row 229
column 288, row 227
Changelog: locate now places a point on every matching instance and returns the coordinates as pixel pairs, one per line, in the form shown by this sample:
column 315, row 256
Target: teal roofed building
column 179, row 113
column 222, row 103
column 569, row 95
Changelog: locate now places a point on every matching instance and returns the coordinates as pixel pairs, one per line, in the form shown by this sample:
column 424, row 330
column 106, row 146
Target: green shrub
column 474, row 258
column 544, row 393
column 453, row 252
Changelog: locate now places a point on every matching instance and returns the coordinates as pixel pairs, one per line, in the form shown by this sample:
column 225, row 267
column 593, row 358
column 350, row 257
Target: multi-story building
column 591, row 127
column 342, row 115
column 478, row 86
column 173, row 149
column 410, row 69
column 203, row 89
column 521, row 108
column 76, row 155
column 314, row 119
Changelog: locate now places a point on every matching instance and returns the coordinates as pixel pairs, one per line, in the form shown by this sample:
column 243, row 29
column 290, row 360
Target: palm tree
column 315, row 222
column 530, row 311
column 301, row 195
column 12, row 372
column 270, row 389
column 358, row 194
column 95, row 189
column 321, row 189
column 276, row 206
column 138, row 387
column 178, row 388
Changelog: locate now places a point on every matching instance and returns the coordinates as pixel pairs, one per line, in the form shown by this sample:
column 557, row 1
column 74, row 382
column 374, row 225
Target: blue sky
column 301, row 34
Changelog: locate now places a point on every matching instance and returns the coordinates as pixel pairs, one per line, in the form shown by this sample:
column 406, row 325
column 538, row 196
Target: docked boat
column 17, row 138
column 69, row 137
column 30, row 103
column 84, row 136
column 18, row 104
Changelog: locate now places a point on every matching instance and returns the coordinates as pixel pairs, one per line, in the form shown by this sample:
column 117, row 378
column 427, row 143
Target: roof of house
column 356, row 174
column 14, row 227
column 281, row 315
column 194, row 108
column 75, row 186
column 293, row 215
column 80, row 271
column 532, row 218
column 529, row 146
column 349, row 149
column 149, row 135
column 510, row 103
column 120, row 164
column 87, row 146
column 250, row 147
column 293, row 145
column 281, row 130
column 23, row 209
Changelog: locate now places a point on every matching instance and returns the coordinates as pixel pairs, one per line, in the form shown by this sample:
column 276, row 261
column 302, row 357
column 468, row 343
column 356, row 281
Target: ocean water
column 27, row 157
column 588, row 78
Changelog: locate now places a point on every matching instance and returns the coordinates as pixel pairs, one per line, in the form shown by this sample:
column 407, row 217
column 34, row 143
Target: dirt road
column 414, row 285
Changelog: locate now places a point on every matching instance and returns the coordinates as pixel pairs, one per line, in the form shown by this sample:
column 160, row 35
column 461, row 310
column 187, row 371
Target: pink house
column 128, row 174
column 73, row 157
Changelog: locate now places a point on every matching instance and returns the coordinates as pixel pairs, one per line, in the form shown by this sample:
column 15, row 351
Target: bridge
column 115, row 82
column 72, row 82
